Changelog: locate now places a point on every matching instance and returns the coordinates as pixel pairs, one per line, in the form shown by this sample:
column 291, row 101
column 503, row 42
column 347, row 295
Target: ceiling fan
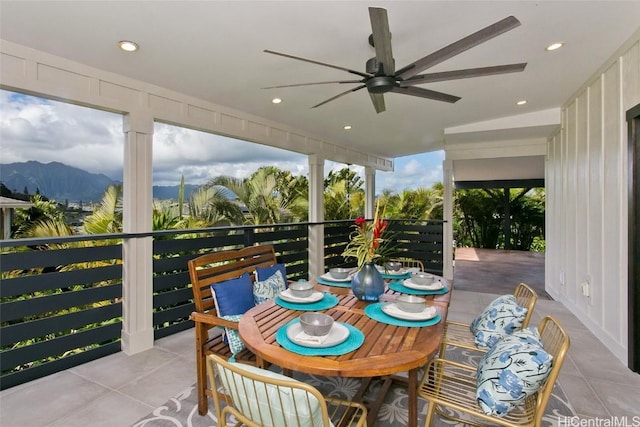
column 381, row 76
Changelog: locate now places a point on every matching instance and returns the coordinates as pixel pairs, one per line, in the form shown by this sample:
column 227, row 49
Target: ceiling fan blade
column 426, row 93
column 463, row 74
column 378, row 102
column 382, row 39
column 339, row 95
column 337, row 67
column 314, row 83
column 458, row 47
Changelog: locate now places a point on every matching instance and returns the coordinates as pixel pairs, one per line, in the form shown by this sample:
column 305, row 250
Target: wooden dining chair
column 451, row 389
column 458, row 334
column 258, row 397
column 212, row 269
column 409, row 263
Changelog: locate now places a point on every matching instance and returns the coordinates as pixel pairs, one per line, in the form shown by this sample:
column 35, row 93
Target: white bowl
column 301, row 289
column 410, row 303
column 339, row 273
column 316, row 324
column 421, row 278
column 393, row 265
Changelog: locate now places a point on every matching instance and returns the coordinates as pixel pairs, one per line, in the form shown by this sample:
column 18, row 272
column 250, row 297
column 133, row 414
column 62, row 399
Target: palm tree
column 210, row 206
column 343, row 195
column 107, row 217
column 267, row 194
column 41, row 213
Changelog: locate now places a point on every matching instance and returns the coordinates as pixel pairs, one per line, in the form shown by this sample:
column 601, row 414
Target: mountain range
column 65, row 183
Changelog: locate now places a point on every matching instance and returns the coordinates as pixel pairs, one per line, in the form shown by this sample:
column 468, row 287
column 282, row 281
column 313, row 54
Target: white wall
column 586, row 182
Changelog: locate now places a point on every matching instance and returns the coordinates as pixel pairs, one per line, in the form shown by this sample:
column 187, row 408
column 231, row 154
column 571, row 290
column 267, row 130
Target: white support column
column 369, row 191
column 137, row 322
column 316, row 214
column 447, row 238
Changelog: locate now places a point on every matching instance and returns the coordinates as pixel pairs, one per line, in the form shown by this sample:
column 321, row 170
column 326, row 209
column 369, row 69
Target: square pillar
column 316, row 214
column 137, row 305
column 369, row 191
column 447, row 238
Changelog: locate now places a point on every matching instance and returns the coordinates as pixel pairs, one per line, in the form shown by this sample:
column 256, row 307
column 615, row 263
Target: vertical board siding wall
column 586, row 179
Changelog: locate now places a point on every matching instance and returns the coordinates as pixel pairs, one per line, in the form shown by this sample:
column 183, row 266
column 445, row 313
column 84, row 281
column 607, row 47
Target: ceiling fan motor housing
column 380, row 84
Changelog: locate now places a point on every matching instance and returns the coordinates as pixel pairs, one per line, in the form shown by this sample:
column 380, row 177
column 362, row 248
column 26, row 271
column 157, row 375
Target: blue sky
column 33, row 128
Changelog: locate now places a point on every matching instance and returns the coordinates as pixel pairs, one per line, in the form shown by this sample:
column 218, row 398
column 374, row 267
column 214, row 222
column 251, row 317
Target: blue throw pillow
column 263, row 273
column 516, row 367
column 264, row 290
column 234, row 296
column 502, row 317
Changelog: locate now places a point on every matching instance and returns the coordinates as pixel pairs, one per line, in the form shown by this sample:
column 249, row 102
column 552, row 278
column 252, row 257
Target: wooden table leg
column 412, row 388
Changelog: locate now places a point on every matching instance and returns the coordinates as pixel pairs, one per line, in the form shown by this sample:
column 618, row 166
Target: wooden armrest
column 212, row 320
column 453, row 322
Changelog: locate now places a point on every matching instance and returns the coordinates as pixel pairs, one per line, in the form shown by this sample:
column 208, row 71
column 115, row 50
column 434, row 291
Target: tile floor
column 117, row 390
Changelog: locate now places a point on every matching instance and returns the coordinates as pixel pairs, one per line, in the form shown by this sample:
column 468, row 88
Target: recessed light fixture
column 128, row 46
column 347, row 127
column 276, row 100
column 554, row 46
column 521, row 102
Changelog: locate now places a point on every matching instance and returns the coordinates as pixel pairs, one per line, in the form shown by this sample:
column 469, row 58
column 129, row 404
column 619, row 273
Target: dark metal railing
column 61, row 298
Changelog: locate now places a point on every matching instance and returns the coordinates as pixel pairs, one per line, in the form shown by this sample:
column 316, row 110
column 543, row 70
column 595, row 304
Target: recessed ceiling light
column 521, row 102
column 347, row 127
column 276, row 100
column 554, row 46
column 128, row 46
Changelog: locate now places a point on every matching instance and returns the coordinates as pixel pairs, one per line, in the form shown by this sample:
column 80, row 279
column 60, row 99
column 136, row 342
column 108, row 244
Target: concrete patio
column 118, row 390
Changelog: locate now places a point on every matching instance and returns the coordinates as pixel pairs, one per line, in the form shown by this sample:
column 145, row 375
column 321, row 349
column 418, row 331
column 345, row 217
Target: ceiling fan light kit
column 380, row 76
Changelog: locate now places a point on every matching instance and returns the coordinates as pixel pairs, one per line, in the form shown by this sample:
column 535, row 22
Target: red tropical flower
column 367, row 240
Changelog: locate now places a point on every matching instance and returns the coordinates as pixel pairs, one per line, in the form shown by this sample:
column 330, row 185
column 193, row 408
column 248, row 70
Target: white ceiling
column 214, row 50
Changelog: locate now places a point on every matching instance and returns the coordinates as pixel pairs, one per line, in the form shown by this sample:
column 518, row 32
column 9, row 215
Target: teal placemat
column 374, row 311
column 326, row 302
column 331, row 283
column 353, row 342
column 396, row 276
column 399, row 287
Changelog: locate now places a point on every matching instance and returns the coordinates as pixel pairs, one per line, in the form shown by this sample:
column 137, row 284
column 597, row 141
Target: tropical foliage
column 367, row 242
column 271, row 195
column 491, row 218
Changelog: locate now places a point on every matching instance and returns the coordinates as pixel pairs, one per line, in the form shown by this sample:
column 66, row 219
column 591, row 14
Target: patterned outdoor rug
column 182, row 411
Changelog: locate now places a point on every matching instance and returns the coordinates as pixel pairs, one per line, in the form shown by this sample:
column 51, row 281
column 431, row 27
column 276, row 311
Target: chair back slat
column 527, row 298
column 409, row 263
column 260, row 398
column 217, row 267
column 555, row 341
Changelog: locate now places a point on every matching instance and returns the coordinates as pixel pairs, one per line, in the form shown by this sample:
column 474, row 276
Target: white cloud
column 412, row 172
column 33, row 128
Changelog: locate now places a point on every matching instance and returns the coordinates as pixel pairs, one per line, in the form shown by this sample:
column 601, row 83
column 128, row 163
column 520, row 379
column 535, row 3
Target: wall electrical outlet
column 562, row 278
column 586, row 289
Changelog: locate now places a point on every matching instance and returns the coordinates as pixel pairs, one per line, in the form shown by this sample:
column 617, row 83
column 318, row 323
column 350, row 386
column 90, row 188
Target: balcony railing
column 61, row 298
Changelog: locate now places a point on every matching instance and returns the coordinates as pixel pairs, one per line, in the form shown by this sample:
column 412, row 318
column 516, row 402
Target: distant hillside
column 61, row 182
column 55, row 180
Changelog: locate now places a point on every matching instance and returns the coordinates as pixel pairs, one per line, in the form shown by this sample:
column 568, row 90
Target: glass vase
column 367, row 284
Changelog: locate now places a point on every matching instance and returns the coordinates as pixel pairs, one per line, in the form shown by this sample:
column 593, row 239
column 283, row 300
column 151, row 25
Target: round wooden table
column 386, row 350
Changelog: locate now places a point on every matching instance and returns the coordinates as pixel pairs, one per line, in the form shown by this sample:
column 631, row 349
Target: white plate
column 392, row 310
column 338, row 334
column 289, row 297
column 400, row 272
column 434, row 286
column 328, row 276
